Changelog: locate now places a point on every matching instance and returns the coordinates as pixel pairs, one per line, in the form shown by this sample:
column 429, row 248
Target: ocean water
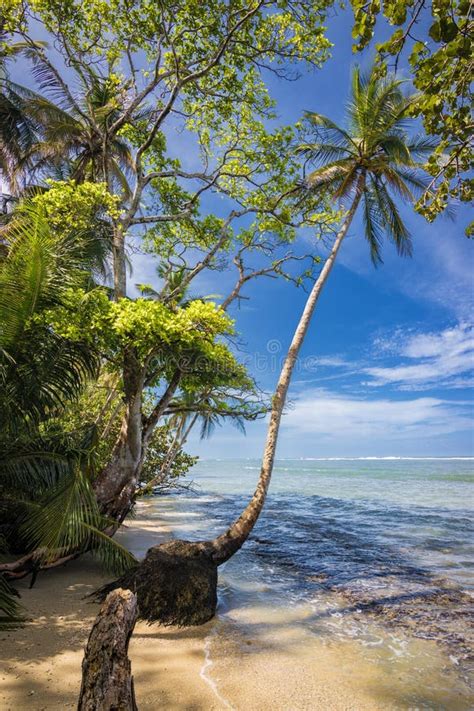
column 375, row 553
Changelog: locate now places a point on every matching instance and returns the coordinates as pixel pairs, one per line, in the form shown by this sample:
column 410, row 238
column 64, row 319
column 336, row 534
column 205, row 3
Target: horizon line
column 332, row 459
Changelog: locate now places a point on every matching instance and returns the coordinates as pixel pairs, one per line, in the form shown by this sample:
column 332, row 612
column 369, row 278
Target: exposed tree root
column 176, row 584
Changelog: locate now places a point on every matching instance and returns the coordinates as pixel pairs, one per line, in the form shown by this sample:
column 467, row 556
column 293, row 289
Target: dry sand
column 274, row 665
column 41, row 663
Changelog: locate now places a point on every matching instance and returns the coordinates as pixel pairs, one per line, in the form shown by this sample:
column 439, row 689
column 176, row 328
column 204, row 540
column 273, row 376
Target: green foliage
column 18, row 132
column 11, row 612
column 441, row 62
column 166, row 338
column 370, row 158
column 39, row 268
column 67, row 131
column 69, row 206
column 272, row 28
column 99, row 411
column 195, row 67
column 143, row 74
column 67, row 520
column 45, row 494
column 156, row 456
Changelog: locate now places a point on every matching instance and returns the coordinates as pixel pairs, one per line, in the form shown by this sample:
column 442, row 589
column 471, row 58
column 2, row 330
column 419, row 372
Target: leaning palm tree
column 360, row 165
column 366, row 165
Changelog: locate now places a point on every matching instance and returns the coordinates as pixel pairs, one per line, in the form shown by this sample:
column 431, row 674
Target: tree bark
column 107, row 682
column 116, row 482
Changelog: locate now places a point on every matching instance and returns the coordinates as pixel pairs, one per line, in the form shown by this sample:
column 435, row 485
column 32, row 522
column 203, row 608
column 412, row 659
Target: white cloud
column 445, row 359
column 454, row 341
column 333, row 362
column 335, row 417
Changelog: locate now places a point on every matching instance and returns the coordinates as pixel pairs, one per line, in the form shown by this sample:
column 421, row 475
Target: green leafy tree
column 367, row 165
column 160, row 72
column 442, row 66
column 188, row 72
column 158, row 68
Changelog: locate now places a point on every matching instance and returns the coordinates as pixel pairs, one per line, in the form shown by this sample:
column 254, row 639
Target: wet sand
column 250, row 658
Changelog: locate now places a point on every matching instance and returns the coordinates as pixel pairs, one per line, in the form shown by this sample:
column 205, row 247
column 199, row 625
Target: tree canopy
column 438, row 39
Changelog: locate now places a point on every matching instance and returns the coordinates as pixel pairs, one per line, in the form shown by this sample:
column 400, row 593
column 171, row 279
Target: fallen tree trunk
column 107, row 682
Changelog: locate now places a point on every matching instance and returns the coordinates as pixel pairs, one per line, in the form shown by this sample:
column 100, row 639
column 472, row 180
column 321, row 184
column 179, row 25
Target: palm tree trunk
column 224, row 546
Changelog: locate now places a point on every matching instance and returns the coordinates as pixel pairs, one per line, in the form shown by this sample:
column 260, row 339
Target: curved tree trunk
column 176, row 582
column 224, row 546
column 114, row 484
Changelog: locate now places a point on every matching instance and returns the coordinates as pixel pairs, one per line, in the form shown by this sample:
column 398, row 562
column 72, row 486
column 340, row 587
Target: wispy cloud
column 333, row 362
column 441, row 359
column 335, row 417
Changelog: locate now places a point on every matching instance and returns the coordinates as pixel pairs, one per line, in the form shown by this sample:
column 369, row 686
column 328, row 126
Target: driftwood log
column 107, row 682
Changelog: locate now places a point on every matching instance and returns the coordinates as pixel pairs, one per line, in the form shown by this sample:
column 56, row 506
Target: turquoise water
column 351, row 513
column 379, row 551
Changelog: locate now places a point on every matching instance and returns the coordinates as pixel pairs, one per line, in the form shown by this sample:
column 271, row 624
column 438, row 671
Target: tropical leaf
column 371, row 157
column 11, row 611
column 67, row 520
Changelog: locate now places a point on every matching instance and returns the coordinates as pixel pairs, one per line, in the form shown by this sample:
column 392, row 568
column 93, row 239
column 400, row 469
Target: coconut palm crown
column 372, row 159
column 72, row 128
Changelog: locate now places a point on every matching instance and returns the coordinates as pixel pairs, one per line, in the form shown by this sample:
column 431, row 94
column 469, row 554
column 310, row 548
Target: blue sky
column 386, row 369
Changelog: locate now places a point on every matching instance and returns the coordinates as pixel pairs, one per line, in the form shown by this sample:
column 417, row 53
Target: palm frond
column 322, row 153
column 30, row 465
column 114, row 557
column 347, row 184
column 380, row 151
column 392, row 221
column 421, row 147
column 395, row 148
column 120, row 178
column 329, row 176
column 374, row 226
column 49, row 82
column 68, row 520
column 394, row 179
column 413, row 178
column 11, row 611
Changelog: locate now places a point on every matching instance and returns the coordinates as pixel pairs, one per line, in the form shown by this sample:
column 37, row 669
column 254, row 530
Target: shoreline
column 252, row 656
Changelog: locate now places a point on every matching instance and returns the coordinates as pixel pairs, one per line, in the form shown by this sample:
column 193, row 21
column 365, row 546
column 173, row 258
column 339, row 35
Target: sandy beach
column 173, row 668
column 252, row 658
